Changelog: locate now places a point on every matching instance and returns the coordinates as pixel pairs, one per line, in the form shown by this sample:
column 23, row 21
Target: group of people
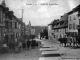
column 70, row 41
column 28, row 44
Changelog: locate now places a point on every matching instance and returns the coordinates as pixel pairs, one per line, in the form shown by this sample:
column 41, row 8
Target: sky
column 40, row 15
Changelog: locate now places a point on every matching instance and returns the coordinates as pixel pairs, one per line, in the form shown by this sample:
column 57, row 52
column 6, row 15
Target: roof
column 53, row 22
column 56, row 26
column 74, row 9
column 65, row 24
column 64, row 19
column 65, row 16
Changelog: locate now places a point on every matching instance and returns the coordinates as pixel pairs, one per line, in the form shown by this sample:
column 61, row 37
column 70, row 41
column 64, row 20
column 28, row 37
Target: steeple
column 3, row 3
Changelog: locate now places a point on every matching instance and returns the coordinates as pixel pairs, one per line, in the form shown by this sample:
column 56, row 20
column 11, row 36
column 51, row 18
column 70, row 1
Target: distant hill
column 38, row 29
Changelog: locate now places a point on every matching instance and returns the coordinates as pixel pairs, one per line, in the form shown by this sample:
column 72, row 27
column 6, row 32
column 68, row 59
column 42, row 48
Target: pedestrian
column 24, row 46
column 28, row 44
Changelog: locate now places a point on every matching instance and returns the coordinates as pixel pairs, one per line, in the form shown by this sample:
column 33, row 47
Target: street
column 52, row 51
column 48, row 51
column 32, row 54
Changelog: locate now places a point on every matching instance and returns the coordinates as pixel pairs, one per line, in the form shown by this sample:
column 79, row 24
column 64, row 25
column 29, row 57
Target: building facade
column 12, row 29
column 73, row 21
column 2, row 16
column 68, row 25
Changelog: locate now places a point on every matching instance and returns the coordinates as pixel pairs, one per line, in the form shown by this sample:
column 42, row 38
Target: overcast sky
column 41, row 14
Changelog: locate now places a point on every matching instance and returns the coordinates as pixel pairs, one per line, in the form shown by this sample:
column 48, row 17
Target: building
column 74, row 21
column 12, row 29
column 17, row 28
column 68, row 25
column 8, row 28
column 58, row 28
column 62, row 27
column 2, row 17
column 51, row 30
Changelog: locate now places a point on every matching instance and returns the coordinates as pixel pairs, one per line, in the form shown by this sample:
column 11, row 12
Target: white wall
column 71, row 21
column 50, row 31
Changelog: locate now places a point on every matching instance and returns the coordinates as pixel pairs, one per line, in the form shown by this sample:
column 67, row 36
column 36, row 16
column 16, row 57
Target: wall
column 73, row 19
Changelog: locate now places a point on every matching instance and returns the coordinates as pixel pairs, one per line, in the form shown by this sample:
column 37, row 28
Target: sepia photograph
column 39, row 29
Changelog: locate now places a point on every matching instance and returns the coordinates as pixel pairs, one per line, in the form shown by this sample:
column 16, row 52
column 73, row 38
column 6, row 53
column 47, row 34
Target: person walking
column 28, row 44
column 24, row 46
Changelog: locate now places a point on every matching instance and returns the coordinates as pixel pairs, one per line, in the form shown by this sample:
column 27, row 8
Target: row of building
column 12, row 29
column 67, row 25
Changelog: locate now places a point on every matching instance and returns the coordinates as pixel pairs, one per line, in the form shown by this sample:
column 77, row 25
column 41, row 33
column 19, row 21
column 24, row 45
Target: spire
column 29, row 23
column 30, row 27
column 3, row 3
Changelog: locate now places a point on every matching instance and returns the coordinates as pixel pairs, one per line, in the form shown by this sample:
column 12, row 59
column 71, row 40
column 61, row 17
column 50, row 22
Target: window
column 6, row 24
column 52, row 33
column 74, row 18
column 15, row 24
column 70, row 26
column 0, row 16
column 10, row 24
column 54, row 36
column 73, row 25
column 70, row 18
column 16, row 35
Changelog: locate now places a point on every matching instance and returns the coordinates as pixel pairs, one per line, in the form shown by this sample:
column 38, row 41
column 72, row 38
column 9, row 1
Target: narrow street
column 32, row 54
